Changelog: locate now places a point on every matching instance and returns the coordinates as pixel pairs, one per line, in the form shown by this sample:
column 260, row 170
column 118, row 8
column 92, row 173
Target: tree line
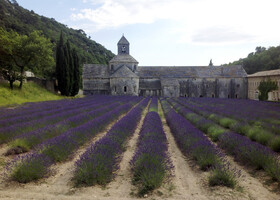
column 261, row 60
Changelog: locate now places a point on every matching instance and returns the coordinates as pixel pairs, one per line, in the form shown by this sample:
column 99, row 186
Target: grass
column 31, row 92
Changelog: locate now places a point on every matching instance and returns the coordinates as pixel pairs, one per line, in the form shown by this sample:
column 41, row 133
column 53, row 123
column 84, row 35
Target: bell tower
column 123, row 46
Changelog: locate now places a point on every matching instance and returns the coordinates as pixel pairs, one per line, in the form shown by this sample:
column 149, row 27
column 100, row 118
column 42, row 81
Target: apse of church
column 123, row 76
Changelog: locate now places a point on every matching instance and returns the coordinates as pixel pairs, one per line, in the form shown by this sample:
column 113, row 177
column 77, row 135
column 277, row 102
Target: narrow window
column 115, row 88
column 236, row 96
column 124, row 89
column 213, row 95
column 228, row 96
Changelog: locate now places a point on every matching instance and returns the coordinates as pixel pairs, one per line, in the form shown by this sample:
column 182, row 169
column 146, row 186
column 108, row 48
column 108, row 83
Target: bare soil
column 187, row 182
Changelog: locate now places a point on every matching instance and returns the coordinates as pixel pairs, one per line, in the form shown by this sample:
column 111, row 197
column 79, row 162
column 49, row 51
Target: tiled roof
column 169, row 82
column 124, row 72
column 123, row 40
column 191, row 72
column 124, row 58
column 266, row 73
column 95, row 71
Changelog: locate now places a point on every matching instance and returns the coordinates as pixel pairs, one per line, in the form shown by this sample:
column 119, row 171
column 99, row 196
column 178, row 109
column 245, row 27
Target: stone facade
column 254, row 82
column 123, row 76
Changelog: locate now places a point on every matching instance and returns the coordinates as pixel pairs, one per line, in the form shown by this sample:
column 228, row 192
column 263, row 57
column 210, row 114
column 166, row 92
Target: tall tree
column 76, row 74
column 67, row 68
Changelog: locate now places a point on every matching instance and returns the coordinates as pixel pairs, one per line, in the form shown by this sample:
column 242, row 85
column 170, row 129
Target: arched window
column 124, row 89
column 115, row 88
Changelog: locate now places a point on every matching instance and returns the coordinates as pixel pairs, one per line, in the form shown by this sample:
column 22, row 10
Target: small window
column 237, row 85
column 123, row 49
column 228, row 96
column 236, row 96
column 115, row 88
column 124, row 89
column 213, row 95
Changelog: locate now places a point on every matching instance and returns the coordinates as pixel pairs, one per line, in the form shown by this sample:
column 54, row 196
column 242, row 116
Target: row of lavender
column 192, row 142
column 151, row 164
column 9, row 132
column 98, row 164
column 30, row 140
column 258, row 114
column 26, row 112
column 243, row 149
column 36, row 164
column 247, row 109
column 254, row 131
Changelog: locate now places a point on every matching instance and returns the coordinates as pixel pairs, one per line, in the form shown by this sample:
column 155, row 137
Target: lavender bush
column 253, row 130
column 150, row 162
column 97, row 164
column 154, row 104
column 251, row 153
column 62, row 147
column 192, row 142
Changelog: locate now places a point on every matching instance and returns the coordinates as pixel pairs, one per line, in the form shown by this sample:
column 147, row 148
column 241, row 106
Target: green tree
column 8, row 69
column 22, row 52
column 76, row 74
column 33, row 52
column 265, row 87
column 67, row 68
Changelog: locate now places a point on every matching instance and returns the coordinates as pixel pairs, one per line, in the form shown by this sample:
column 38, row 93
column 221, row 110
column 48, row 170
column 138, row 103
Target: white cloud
column 199, row 21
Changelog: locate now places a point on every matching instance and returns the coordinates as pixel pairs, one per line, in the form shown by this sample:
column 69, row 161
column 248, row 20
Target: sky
column 172, row 32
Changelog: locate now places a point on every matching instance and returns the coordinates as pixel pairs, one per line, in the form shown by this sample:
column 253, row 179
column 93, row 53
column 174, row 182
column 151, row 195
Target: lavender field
column 124, row 147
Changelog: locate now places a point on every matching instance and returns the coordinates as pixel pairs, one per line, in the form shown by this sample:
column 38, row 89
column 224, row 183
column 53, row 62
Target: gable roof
column 95, row 71
column 123, row 58
column 124, row 72
column 123, row 40
column 192, row 72
column 266, row 73
column 169, row 82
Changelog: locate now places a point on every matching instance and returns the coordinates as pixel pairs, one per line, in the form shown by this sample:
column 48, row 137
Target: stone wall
column 50, row 85
column 124, row 86
column 254, row 82
column 213, row 87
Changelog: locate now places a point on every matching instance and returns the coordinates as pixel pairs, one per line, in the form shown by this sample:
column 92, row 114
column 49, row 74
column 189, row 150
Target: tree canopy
column 25, row 52
column 261, row 60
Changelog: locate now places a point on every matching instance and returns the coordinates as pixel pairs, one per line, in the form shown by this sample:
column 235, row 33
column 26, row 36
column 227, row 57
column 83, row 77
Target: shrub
column 221, row 175
column 214, row 132
column 29, row 168
column 275, row 144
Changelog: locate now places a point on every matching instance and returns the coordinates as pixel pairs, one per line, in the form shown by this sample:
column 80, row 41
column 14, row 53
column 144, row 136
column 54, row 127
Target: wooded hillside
column 261, row 60
column 14, row 17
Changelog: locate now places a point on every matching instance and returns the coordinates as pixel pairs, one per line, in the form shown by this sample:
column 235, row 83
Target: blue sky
column 172, row 32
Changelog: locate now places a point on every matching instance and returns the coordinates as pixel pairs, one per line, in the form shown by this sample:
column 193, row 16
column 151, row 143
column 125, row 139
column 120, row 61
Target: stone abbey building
column 123, row 76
